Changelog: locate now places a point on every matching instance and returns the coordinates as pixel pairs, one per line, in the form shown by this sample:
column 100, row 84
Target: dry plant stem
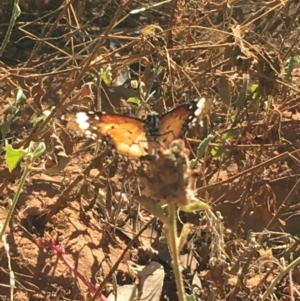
column 263, row 164
column 115, row 266
column 27, row 170
column 15, row 14
column 285, row 203
column 85, row 66
column 282, row 274
column 62, row 199
column 12, row 281
column 171, row 234
column 50, row 31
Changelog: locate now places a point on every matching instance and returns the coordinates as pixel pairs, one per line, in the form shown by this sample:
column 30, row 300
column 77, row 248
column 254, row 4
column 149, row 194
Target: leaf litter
column 242, row 55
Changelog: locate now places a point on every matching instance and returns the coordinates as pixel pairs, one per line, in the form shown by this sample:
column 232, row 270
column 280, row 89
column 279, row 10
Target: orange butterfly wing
column 174, row 123
column 126, row 134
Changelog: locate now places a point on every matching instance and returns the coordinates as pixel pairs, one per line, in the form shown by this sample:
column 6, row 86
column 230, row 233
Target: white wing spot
column 81, row 119
column 88, row 133
column 200, row 106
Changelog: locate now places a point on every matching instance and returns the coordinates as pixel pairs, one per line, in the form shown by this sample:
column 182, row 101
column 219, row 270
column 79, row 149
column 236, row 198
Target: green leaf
column 16, row 11
column 106, row 75
column 191, row 297
column 9, row 117
column 292, row 63
column 30, row 147
column 134, row 100
column 14, row 111
column 19, row 96
column 153, row 207
column 231, row 134
column 201, row 150
column 13, row 156
column 195, row 206
column 39, row 150
column 217, row 151
column 253, row 90
column 37, row 120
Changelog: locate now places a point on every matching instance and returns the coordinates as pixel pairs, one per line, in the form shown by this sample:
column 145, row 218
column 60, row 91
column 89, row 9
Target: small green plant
column 201, row 150
column 290, row 65
column 254, row 91
column 218, row 151
column 13, row 158
column 14, row 109
column 134, row 100
column 106, row 75
column 167, row 182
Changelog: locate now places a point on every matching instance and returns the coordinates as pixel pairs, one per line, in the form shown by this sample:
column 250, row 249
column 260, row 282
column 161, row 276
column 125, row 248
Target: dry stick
column 73, row 33
column 63, row 197
column 268, row 162
column 34, row 136
column 240, row 128
column 243, row 272
column 284, row 203
column 252, row 253
column 256, row 16
column 52, row 28
column 115, row 266
column 294, row 42
column 12, row 281
column 291, row 287
column 36, row 75
column 279, row 277
column 262, row 281
column 52, row 45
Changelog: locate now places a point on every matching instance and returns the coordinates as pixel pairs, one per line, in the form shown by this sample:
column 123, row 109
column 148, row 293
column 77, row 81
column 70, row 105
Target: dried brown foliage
column 232, row 51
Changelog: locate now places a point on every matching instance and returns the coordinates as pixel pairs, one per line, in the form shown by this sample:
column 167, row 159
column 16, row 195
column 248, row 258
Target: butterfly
column 138, row 138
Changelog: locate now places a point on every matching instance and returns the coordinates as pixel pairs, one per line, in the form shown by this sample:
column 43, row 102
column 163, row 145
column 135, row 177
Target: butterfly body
column 152, row 125
column 138, row 138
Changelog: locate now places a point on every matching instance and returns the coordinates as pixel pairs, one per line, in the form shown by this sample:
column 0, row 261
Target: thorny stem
column 171, row 234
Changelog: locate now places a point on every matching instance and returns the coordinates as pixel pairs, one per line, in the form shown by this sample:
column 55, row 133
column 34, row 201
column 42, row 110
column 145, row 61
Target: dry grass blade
column 12, row 281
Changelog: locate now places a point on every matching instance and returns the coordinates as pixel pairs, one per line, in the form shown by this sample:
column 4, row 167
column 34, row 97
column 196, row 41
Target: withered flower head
column 166, row 176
